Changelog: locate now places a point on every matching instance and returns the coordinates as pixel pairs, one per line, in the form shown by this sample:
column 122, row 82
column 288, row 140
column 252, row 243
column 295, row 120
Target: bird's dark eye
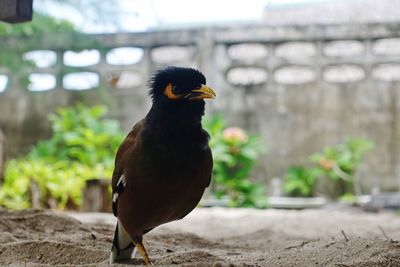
column 176, row 90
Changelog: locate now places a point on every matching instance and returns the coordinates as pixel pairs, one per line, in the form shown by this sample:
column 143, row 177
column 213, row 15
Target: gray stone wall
column 301, row 87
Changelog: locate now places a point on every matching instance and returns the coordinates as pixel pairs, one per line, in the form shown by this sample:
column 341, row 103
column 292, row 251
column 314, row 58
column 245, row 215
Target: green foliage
column 82, row 147
column 80, row 134
column 337, row 163
column 347, row 157
column 43, row 32
column 60, row 183
column 348, row 197
column 300, row 181
column 40, row 24
column 235, row 154
column 341, row 162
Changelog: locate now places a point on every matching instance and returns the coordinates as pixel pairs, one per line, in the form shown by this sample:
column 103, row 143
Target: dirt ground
column 209, row 237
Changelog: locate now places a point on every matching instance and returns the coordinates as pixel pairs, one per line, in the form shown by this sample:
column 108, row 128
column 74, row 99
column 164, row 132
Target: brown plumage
column 164, row 165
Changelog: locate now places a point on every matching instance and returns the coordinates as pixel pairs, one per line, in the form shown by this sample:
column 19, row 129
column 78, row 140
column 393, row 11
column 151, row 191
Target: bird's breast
column 166, row 187
column 170, row 164
column 173, row 156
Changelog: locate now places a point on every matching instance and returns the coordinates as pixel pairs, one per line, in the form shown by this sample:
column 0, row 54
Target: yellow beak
column 202, row 93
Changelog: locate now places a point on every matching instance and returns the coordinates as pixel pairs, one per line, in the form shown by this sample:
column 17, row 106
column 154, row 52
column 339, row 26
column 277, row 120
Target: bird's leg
column 143, row 253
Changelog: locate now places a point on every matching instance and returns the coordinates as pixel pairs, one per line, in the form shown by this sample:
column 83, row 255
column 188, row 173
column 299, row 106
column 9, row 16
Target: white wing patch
column 115, row 197
column 119, row 188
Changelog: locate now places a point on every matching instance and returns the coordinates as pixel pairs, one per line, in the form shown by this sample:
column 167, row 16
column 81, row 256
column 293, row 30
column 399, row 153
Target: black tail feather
column 116, row 243
column 118, row 254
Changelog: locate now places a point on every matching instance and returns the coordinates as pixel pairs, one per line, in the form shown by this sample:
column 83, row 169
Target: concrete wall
column 301, row 87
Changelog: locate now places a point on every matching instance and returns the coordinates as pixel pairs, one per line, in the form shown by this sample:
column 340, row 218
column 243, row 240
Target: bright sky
column 140, row 15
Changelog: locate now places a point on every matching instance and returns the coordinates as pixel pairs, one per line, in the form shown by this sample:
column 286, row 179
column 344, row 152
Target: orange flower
column 327, row 164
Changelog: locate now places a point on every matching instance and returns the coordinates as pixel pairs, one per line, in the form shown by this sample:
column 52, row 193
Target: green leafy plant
column 300, row 181
column 337, row 163
column 58, row 185
column 340, row 163
column 80, row 134
column 235, row 154
column 41, row 23
column 82, row 147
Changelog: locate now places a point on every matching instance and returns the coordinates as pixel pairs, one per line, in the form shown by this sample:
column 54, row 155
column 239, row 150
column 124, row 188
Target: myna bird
column 164, row 165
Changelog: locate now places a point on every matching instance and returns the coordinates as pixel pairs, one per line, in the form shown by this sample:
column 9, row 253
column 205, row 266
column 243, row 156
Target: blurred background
column 308, row 96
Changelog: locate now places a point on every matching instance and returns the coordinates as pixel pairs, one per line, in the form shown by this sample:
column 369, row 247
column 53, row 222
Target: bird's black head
column 179, row 91
column 179, row 84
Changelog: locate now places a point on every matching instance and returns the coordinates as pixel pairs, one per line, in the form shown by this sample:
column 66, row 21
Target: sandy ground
column 208, row 237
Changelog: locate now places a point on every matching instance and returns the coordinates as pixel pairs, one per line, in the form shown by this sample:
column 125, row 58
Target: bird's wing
column 118, row 180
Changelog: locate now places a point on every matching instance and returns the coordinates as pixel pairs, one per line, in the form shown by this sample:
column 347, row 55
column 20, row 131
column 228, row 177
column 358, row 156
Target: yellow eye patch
column 169, row 93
